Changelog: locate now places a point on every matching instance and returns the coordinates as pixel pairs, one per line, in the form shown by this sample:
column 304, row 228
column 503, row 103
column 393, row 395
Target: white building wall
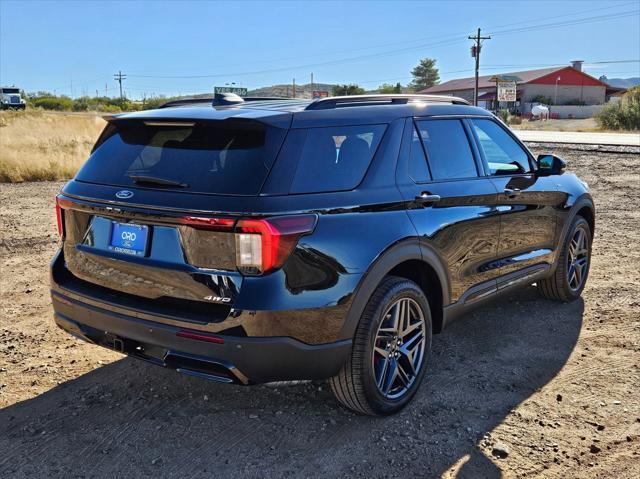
column 591, row 95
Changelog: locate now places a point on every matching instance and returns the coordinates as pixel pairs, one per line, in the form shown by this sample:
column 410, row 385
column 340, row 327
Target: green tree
column 388, row 88
column 425, row 74
column 344, row 90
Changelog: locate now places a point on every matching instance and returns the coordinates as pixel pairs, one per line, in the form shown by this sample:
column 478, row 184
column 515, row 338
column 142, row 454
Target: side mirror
column 550, row 165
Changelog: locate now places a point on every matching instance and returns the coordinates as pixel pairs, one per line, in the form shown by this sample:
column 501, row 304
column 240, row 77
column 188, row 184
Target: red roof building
column 555, row 86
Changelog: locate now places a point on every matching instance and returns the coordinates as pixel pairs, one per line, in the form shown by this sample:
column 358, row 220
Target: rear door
column 451, row 202
column 526, row 202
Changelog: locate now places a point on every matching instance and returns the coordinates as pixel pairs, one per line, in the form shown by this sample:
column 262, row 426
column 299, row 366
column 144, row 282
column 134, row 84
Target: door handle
column 425, row 198
column 512, row 192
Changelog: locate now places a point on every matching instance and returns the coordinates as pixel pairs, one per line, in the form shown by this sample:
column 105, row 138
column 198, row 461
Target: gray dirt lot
column 556, row 384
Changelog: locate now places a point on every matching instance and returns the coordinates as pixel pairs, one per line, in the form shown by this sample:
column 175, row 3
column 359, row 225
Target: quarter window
column 418, row 169
column 447, row 148
column 503, row 154
column 335, row 158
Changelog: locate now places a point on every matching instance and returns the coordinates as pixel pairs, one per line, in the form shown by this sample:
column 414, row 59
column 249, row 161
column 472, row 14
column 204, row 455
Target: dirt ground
column 586, row 124
column 523, row 387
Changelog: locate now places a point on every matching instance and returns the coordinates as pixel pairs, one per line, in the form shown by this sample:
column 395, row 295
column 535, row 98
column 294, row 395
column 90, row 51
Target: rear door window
column 230, row 157
column 448, row 150
column 335, row 158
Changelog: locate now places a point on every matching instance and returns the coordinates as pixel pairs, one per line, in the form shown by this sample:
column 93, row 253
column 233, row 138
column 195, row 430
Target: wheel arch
column 408, row 259
column 584, row 207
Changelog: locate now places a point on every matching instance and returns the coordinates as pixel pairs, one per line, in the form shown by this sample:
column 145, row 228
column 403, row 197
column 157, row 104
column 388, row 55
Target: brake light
column 264, row 245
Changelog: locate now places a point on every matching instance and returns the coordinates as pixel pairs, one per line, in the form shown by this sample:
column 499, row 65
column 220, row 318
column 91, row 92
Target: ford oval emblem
column 124, row 194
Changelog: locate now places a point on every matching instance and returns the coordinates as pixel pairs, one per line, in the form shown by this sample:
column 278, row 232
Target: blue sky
column 80, row 45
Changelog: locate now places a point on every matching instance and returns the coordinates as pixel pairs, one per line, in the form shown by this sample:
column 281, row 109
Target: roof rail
column 368, row 100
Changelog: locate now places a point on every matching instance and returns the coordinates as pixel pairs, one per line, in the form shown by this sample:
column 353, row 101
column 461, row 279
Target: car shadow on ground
column 129, row 418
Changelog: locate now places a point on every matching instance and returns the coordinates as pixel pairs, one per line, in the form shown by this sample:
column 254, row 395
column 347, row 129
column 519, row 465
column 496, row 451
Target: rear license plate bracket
column 129, row 238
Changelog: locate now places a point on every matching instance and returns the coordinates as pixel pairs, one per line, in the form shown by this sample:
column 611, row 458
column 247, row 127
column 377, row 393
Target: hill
column 302, row 91
column 623, row 82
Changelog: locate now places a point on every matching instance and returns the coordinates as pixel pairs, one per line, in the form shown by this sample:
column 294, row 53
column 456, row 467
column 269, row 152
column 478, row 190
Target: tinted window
column 418, row 168
column 335, row 158
column 224, row 157
column 448, row 150
column 503, row 154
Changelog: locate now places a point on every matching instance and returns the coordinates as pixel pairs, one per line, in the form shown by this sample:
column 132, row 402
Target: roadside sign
column 506, row 91
column 230, row 89
column 319, row 94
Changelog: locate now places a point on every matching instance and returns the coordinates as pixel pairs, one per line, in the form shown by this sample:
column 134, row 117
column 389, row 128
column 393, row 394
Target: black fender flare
column 405, row 250
column 583, row 200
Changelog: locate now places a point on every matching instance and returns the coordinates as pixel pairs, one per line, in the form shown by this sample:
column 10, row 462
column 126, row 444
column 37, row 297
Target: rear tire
column 570, row 277
column 390, row 351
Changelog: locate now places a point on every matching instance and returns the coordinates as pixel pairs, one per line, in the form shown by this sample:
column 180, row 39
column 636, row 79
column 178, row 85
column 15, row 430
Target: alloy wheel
column 577, row 259
column 399, row 348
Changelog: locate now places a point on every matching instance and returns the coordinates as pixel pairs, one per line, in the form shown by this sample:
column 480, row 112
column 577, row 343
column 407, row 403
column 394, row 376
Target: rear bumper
column 241, row 360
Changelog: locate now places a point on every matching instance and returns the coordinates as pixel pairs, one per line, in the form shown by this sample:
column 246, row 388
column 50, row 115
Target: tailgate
column 150, row 256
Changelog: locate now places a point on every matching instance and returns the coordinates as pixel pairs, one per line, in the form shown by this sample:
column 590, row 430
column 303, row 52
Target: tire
column 570, row 276
column 376, row 382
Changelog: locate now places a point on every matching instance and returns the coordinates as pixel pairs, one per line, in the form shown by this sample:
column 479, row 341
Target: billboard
column 319, row 94
column 506, row 91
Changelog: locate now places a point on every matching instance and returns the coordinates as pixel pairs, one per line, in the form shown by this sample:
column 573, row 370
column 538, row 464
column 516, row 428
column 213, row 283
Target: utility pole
column 119, row 77
column 294, row 88
column 312, row 82
column 475, row 52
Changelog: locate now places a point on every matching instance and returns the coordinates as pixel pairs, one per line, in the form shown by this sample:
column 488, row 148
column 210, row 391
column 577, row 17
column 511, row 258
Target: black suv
column 275, row 240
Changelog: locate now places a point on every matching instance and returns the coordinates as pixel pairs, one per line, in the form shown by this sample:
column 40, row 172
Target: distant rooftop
column 488, row 81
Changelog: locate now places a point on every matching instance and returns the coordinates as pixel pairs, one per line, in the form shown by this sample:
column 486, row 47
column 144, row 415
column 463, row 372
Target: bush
column 541, row 99
column 624, row 115
column 59, row 103
column 504, row 115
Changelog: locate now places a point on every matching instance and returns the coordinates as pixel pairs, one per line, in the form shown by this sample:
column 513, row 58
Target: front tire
column 572, row 271
column 390, row 351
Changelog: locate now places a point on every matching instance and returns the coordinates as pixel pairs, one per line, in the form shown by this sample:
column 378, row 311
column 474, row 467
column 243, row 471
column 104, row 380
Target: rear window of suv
column 335, row 158
column 230, row 157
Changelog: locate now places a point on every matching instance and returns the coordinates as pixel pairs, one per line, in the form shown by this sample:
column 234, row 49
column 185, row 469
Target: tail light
column 264, row 245
column 61, row 204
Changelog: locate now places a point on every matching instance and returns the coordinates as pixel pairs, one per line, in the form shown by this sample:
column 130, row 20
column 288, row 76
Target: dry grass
column 38, row 145
column 586, row 124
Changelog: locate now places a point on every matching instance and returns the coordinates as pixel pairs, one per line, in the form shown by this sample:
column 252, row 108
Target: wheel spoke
column 578, row 272
column 391, row 374
column 402, row 374
column 380, row 374
column 410, row 329
column 572, row 274
column 382, row 352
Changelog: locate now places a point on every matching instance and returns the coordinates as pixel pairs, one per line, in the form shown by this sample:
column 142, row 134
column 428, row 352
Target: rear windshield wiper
column 153, row 180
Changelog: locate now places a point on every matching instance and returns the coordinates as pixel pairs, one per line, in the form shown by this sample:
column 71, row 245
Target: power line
column 433, row 37
column 119, row 77
column 444, row 42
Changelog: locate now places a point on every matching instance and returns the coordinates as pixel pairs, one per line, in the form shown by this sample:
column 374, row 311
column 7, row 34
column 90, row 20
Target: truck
column 11, row 99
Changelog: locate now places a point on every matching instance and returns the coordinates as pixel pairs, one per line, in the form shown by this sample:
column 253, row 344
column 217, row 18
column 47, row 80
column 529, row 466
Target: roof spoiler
column 221, row 99
column 368, row 100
